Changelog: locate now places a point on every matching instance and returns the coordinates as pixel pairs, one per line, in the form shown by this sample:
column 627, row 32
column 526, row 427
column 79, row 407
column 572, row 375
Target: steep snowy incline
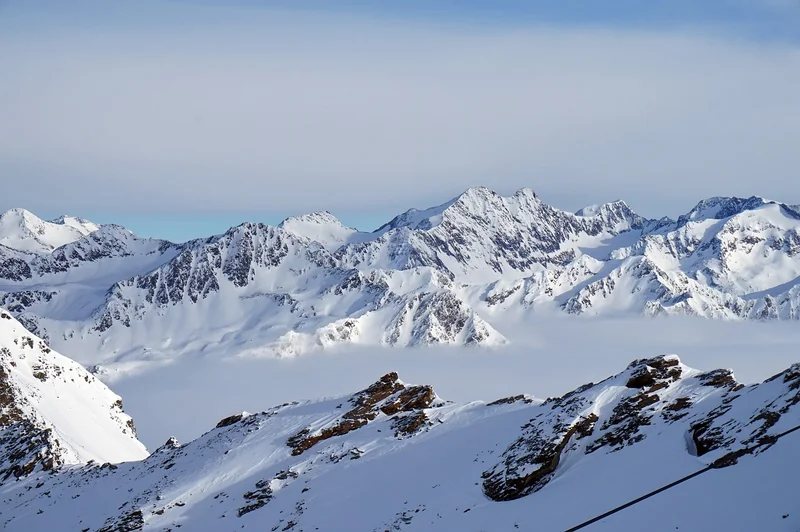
column 397, row 457
column 24, row 231
column 53, row 412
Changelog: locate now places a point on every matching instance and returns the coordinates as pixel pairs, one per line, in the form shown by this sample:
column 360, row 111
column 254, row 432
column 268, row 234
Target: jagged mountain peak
column 22, row 230
column 487, row 204
column 78, row 223
column 416, row 219
column 447, row 275
column 479, row 193
column 316, row 217
column 19, row 215
column 720, row 207
column 255, row 236
column 323, row 227
column 474, row 199
column 526, row 192
column 484, row 201
column 482, row 236
column 597, row 209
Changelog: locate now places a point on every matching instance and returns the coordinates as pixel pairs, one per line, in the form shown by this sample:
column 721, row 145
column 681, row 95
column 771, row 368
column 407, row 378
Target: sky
column 180, row 118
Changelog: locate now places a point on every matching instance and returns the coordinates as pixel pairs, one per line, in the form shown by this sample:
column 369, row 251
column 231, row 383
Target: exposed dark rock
column 230, row 420
column 677, row 409
column 510, row 400
column 706, row 436
column 720, row 378
column 409, row 424
column 130, row 522
column 257, row 498
column 650, row 370
column 387, row 396
column 498, row 485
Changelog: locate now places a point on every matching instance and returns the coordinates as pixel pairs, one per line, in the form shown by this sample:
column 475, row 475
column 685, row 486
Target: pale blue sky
column 179, row 118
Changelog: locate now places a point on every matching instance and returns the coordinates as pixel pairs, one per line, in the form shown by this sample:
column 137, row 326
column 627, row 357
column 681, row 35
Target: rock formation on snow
column 397, row 457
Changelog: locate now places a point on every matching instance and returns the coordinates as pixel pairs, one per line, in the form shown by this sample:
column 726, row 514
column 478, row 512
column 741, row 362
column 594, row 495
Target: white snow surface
column 448, row 275
column 325, row 228
column 22, row 230
column 53, row 393
column 305, row 465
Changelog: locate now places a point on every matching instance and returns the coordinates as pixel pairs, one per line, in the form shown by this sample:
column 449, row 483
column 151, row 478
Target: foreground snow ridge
column 53, row 412
column 398, row 457
column 454, row 274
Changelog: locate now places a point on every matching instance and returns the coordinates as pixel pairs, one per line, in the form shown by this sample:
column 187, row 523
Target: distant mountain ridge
column 449, row 274
column 24, row 231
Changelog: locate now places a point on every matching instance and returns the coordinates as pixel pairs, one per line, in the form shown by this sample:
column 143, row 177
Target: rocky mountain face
column 83, row 257
column 394, row 456
column 449, row 274
column 481, row 236
column 54, row 413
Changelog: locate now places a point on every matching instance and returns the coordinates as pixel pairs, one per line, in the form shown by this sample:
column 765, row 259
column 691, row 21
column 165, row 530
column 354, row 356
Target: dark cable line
column 724, row 461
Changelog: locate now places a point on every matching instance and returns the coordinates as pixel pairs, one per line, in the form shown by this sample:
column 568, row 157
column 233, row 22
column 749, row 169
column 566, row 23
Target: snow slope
column 325, row 228
column 398, row 457
column 53, row 412
column 449, row 275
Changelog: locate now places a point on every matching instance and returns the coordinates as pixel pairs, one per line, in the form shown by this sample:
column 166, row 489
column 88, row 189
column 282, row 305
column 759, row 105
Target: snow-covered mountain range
column 451, row 274
column 398, row 457
column 22, row 230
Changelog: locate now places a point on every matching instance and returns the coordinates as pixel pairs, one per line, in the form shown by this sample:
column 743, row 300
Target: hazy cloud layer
column 546, row 358
column 265, row 110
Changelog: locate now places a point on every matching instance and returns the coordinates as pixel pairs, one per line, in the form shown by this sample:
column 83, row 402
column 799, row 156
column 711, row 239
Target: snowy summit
column 449, row 274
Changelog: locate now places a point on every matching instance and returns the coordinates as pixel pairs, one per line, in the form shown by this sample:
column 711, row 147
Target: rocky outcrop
column 417, row 459
column 388, row 397
column 723, row 421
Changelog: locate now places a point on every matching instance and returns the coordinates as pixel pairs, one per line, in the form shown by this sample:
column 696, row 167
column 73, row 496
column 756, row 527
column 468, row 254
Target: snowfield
column 453, row 274
column 568, row 404
column 396, row 456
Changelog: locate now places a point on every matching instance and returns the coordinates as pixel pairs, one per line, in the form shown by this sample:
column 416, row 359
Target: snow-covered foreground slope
column 398, row 457
column 53, row 412
column 446, row 275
